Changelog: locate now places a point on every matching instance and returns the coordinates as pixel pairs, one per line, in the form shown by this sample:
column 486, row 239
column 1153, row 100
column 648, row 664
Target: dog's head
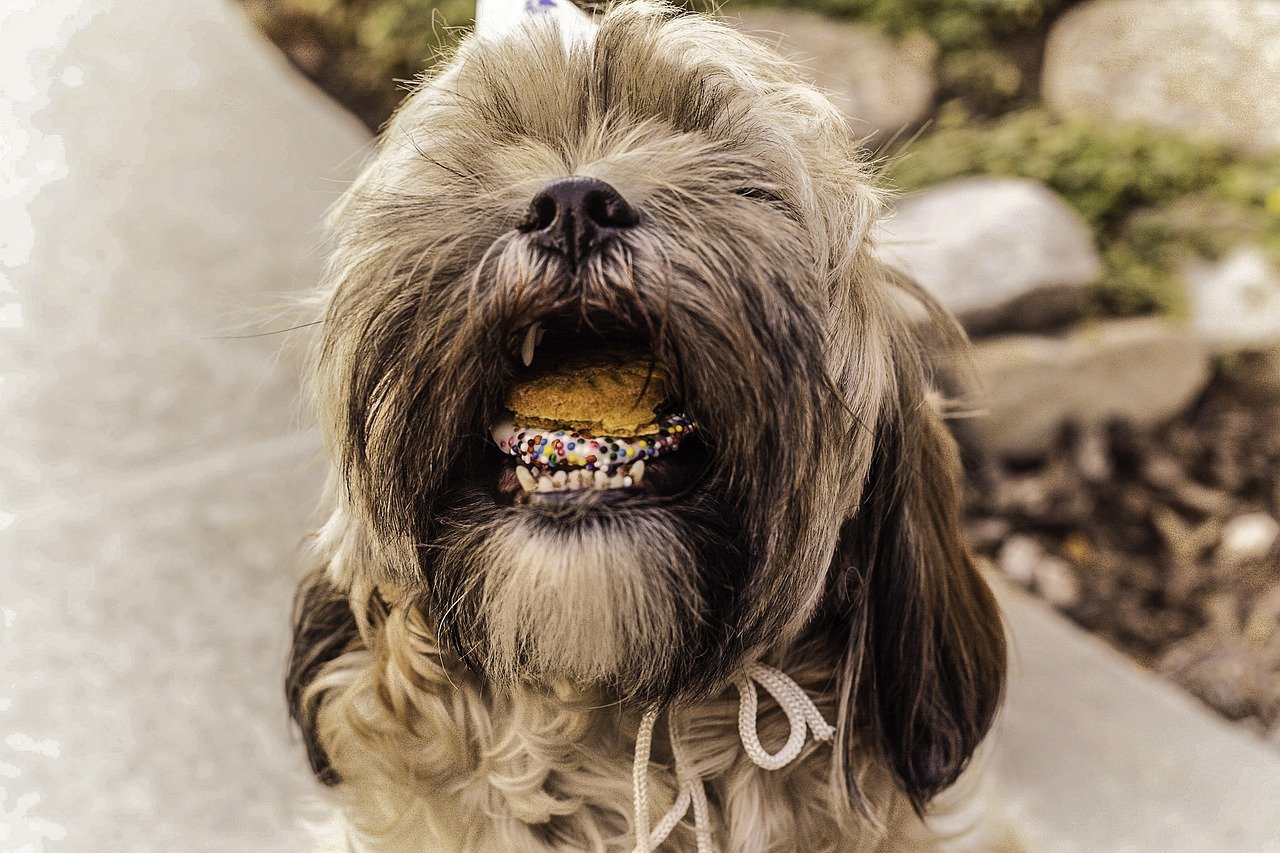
column 671, row 189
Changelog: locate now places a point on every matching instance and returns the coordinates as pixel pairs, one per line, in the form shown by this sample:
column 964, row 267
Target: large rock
column 1235, row 304
column 1199, row 66
column 881, row 85
column 164, row 175
column 1144, row 370
column 1002, row 254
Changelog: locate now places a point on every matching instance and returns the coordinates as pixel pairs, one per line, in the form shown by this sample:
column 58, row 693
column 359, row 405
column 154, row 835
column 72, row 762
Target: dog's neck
column 544, row 765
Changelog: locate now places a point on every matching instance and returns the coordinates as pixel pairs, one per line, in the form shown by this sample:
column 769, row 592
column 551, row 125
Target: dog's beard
column 635, row 598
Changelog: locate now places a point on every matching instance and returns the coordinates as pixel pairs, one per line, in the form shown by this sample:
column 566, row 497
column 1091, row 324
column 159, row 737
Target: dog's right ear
column 324, row 628
column 924, row 665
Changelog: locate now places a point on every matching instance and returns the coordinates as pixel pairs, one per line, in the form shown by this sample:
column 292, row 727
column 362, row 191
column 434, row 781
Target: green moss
column 1152, row 198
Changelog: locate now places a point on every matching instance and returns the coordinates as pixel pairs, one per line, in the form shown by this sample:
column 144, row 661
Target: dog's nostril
column 574, row 215
column 541, row 213
column 606, row 208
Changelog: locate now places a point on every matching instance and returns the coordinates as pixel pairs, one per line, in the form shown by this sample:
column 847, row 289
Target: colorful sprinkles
column 549, row 450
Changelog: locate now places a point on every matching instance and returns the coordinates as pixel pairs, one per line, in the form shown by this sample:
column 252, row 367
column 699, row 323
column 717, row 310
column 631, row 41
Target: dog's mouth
column 592, row 414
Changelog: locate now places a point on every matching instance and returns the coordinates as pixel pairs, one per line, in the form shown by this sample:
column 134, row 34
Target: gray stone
column 1207, row 67
column 1002, row 254
column 1093, row 753
column 1144, row 370
column 1056, row 582
column 1018, row 558
column 1249, row 536
column 1235, row 304
column 166, row 171
column 881, row 85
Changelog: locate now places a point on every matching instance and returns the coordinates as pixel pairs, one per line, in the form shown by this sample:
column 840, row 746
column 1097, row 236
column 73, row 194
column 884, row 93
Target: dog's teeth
column 637, row 472
column 545, row 484
column 560, row 478
column 532, row 336
column 602, row 480
column 526, row 478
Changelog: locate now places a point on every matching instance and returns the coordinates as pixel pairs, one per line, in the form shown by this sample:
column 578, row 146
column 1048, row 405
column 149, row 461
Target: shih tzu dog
column 629, row 425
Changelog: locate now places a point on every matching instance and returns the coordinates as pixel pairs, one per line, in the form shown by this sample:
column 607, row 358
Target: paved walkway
column 163, row 173
column 1097, row 756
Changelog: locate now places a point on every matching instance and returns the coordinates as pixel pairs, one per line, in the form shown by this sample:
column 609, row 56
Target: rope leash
column 803, row 717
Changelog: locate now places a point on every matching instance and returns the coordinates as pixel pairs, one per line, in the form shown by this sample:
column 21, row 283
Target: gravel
column 1164, row 541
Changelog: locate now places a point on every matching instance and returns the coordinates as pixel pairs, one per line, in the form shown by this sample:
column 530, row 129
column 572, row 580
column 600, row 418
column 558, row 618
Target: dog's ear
column 324, row 628
column 923, row 670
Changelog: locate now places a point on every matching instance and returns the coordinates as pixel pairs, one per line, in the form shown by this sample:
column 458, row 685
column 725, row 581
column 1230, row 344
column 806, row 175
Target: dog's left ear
column 923, row 672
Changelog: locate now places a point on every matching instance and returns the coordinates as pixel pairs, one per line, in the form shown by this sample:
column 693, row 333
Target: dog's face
column 669, row 189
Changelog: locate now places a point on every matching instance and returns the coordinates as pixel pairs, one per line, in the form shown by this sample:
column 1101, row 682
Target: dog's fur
column 470, row 675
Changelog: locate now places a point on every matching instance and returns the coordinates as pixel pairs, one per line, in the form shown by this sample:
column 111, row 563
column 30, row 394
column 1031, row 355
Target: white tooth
column 531, row 339
column 560, row 479
column 637, row 472
column 526, row 478
column 602, row 480
column 545, row 484
column 575, row 479
column 615, row 482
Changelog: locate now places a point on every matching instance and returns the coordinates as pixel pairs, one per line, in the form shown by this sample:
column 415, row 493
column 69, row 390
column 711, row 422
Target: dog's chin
column 629, row 591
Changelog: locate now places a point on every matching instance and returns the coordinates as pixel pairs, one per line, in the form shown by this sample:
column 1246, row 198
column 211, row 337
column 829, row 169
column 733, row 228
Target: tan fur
column 473, row 680
column 434, row 761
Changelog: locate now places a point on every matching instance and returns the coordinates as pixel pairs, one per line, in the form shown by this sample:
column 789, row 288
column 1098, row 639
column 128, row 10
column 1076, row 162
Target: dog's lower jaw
column 431, row 757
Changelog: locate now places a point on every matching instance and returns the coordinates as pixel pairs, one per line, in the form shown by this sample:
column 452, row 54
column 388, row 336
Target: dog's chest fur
column 426, row 752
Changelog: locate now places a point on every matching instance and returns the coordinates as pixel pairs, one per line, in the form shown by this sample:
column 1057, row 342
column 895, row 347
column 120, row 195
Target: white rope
column 801, row 713
column 803, row 716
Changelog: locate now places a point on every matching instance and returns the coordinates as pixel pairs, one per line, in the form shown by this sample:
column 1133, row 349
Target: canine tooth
column 527, row 481
column 637, row 472
column 532, row 336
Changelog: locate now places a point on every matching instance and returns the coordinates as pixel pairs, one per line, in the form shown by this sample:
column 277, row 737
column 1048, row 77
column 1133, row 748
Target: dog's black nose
column 574, row 216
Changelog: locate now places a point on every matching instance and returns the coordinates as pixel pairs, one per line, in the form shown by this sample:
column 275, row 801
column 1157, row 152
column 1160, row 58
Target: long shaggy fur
column 469, row 676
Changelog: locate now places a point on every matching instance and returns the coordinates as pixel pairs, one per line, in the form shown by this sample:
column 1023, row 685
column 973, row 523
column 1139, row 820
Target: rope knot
column 802, row 715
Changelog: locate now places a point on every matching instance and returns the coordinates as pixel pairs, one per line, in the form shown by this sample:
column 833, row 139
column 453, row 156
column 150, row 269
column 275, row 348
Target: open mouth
column 592, row 412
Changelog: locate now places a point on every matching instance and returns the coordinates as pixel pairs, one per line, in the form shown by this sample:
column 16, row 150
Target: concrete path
column 1098, row 756
column 162, row 175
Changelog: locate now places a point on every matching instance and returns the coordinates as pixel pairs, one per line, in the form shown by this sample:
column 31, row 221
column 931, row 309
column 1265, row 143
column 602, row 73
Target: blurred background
column 1093, row 187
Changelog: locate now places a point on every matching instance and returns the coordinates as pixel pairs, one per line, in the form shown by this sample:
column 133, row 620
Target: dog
column 480, row 662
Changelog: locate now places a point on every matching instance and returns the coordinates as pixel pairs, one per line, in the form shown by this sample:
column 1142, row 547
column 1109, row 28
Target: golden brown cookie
column 612, row 396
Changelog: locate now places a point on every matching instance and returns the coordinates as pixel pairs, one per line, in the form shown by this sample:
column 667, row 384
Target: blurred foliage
column 988, row 50
column 1153, row 198
column 364, row 52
